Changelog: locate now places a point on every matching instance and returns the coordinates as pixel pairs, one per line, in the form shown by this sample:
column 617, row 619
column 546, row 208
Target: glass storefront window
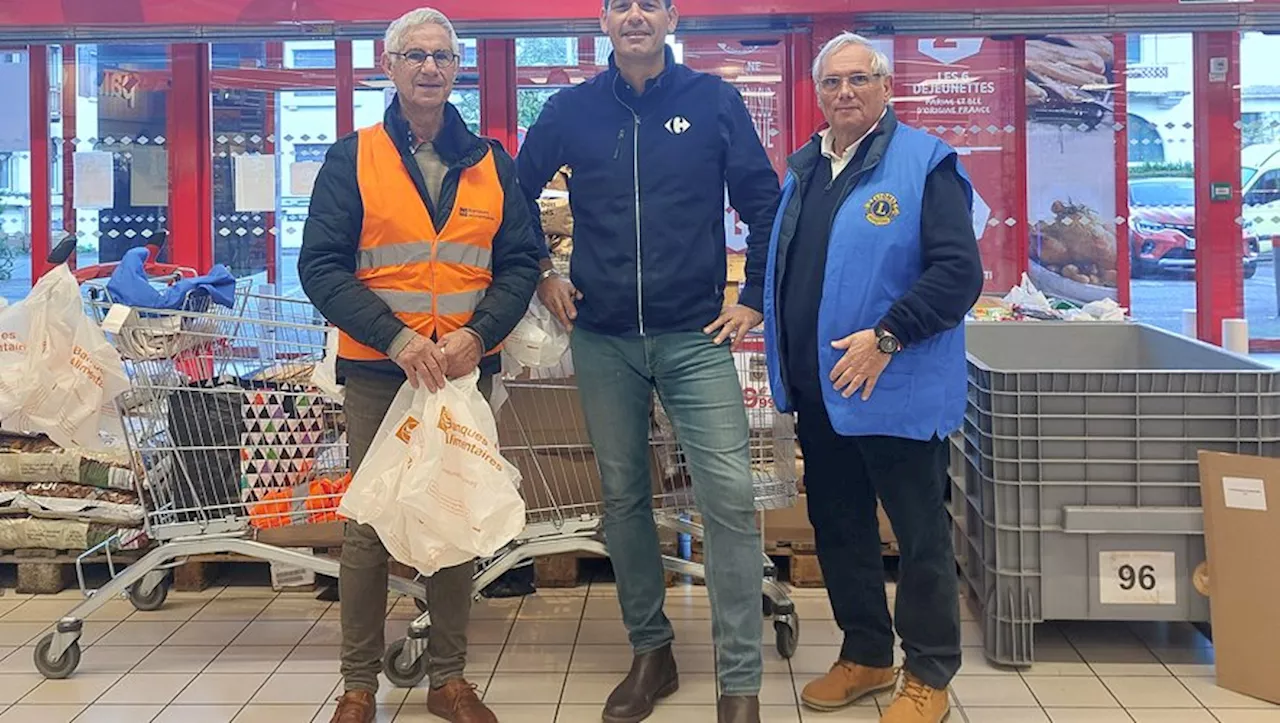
column 274, row 118
column 544, row 66
column 109, row 175
column 1161, row 177
column 15, row 176
column 1260, row 181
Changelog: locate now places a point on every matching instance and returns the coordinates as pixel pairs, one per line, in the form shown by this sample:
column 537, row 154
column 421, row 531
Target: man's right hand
column 424, row 363
column 558, row 295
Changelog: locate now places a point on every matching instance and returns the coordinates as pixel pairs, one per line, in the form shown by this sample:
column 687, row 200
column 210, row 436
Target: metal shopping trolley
column 231, row 441
column 541, row 430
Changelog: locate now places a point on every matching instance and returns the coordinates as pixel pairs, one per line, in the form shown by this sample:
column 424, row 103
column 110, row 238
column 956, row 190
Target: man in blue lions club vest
column 872, row 359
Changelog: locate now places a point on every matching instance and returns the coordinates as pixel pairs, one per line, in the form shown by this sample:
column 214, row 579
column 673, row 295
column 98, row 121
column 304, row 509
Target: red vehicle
column 1162, row 228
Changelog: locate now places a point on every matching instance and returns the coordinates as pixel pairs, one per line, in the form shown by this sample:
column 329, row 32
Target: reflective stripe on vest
column 432, row 279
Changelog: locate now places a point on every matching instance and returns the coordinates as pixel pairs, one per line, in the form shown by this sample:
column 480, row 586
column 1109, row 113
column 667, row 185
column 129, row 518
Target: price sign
column 1137, row 578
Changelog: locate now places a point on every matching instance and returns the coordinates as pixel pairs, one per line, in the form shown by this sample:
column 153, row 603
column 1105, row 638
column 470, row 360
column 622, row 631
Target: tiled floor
column 247, row 655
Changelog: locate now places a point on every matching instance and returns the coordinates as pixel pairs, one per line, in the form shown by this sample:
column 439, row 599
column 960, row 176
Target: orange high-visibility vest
column 431, row 278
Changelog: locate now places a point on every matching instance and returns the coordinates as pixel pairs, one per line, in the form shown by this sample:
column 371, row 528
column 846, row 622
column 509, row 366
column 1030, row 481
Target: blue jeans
column 698, row 386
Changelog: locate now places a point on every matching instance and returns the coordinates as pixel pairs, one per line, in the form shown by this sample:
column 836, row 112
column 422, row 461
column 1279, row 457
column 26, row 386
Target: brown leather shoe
column 457, row 702
column 355, row 706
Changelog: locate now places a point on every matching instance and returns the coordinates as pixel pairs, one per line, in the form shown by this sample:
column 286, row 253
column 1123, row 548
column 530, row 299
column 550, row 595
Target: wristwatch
column 547, row 274
column 887, row 342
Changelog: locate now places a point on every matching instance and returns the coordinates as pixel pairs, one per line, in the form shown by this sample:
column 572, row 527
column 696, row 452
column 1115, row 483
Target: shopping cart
column 541, row 430
column 232, row 442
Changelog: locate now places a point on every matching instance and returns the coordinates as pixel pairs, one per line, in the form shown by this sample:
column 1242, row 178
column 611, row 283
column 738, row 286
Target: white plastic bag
column 325, row 375
column 73, row 374
column 460, row 484
column 433, row 484
column 539, row 340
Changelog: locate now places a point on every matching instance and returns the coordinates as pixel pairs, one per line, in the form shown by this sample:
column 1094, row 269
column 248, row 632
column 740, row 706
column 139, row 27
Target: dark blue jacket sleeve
column 952, row 279
column 541, row 155
column 753, row 190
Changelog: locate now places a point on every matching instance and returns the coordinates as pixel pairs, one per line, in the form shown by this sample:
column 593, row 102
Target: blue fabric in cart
column 129, row 285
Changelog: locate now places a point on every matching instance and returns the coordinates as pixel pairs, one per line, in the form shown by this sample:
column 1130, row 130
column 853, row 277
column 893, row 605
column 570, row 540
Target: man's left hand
column 462, row 350
column 861, row 365
column 734, row 323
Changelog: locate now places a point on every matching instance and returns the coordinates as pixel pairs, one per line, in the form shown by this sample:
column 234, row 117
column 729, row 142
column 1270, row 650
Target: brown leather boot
column 738, row 709
column 355, row 706
column 456, row 701
column 653, row 677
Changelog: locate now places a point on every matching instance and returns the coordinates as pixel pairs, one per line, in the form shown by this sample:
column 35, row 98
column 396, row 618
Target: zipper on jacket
column 635, row 137
column 635, row 173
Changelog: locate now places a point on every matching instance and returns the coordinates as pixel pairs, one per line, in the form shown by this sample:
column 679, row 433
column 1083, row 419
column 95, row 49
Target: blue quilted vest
column 873, row 259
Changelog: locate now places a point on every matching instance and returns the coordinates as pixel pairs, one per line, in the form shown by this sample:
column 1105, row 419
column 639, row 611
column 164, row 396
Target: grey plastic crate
column 1077, row 465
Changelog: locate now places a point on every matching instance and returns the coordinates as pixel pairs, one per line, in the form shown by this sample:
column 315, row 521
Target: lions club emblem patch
column 882, row 209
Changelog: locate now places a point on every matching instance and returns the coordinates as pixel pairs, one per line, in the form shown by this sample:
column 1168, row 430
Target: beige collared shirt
column 840, row 160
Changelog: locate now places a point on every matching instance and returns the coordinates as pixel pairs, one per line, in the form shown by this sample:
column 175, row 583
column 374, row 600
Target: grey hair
column 394, row 41
column 879, row 61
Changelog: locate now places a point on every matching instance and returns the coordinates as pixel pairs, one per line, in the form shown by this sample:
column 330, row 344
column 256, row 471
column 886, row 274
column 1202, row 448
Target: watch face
column 889, row 345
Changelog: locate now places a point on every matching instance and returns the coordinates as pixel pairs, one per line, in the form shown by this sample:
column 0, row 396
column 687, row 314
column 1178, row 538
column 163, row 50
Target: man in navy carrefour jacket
column 652, row 145
column 872, row 267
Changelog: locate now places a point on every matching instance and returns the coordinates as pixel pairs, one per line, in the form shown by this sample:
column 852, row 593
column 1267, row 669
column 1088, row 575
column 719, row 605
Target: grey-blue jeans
column 698, row 386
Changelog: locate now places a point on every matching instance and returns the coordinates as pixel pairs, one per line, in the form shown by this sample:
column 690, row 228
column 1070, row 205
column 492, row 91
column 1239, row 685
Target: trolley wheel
column 151, row 601
column 400, row 676
column 788, row 636
column 58, row 669
column 422, row 604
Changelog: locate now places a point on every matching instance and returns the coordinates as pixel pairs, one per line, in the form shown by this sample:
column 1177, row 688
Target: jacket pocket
column 892, row 396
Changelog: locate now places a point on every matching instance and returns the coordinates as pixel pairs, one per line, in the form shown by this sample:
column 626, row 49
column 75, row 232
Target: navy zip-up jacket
column 647, row 195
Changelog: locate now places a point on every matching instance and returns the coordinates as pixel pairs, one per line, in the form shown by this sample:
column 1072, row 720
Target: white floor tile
column 1151, row 693
column 277, row 714
column 232, row 609
column 178, row 659
column 1166, row 715
column 147, row 688
column 544, row 632
column 198, row 714
column 296, row 689
column 13, row 687
column 521, row 688
column 1004, row 715
column 993, row 691
column 1088, row 715
column 99, row 713
column 198, row 632
column 856, row 714
column 534, row 658
column 110, row 658
column 76, row 689
column 42, row 713
column 139, row 632
column 606, row 659
column 604, row 632
column 274, row 632
column 250, row 659
column 1068, row 692
column 520, row 713
column 221, row 689
column 1239, row 715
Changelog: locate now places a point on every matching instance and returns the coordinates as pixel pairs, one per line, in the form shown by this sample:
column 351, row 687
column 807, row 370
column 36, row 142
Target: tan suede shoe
column 845, row 684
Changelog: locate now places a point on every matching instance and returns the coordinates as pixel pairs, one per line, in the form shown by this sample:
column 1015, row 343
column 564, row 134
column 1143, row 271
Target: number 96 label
column 1137, row 578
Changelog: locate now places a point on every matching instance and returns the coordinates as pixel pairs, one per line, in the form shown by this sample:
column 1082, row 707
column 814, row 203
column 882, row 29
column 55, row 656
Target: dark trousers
column 843, row 477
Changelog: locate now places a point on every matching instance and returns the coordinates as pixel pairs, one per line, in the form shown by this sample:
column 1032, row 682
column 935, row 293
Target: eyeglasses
column 442, row 58
column 833, row 83
column 648, row 6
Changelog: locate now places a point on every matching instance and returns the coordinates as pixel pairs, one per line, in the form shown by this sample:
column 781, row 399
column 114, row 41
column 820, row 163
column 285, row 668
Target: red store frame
column 1219, row 286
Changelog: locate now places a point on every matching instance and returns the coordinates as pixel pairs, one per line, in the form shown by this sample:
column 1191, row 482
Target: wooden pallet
column 573, row 569
column 46, row 572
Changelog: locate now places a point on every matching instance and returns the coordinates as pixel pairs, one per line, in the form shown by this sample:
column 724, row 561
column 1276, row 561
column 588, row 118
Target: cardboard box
column 1241, row 500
